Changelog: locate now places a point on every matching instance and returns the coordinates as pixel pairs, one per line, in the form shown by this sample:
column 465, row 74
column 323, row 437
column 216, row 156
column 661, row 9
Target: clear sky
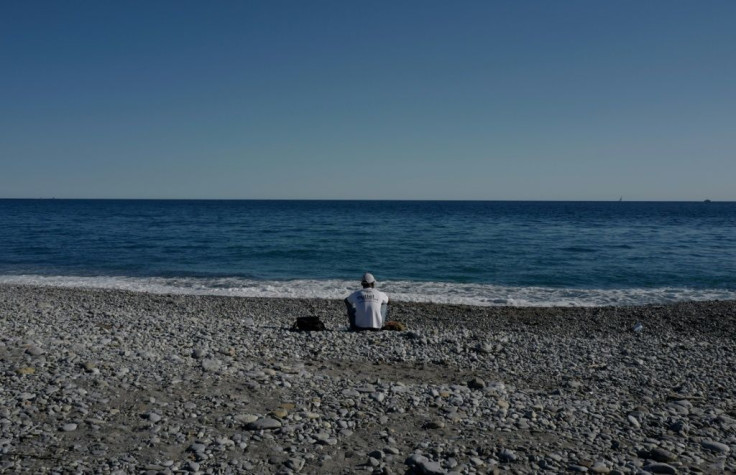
column 552, row 100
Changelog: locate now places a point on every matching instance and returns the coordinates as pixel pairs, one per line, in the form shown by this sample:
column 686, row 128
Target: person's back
column 367, row 307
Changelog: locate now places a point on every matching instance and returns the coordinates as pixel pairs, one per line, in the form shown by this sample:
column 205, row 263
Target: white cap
column 368, row 278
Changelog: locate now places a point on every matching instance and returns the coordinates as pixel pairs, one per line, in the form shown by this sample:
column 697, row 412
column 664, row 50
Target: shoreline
column 172, row 383
column 450, row 293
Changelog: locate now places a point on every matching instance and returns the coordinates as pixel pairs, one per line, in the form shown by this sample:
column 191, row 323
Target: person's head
column 368, row 280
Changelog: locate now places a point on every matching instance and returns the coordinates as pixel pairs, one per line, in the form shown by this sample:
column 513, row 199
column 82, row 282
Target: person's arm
column 349, row 305
column 351, row 313
column 384, row 309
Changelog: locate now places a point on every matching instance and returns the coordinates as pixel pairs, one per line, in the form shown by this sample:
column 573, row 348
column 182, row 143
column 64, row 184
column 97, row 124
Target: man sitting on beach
column 367, row 308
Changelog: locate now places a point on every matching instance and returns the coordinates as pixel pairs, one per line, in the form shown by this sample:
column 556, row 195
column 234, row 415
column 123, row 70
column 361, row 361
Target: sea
column 514, row 253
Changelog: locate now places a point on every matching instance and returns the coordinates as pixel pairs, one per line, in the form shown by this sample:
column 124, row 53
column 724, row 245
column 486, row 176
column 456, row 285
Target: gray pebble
column 715, row 446
column 476, row 383
column 662, row 455
column 431, row 468
column 209, row 364
column 35, row 350
column 660, row 468
column 265, row 423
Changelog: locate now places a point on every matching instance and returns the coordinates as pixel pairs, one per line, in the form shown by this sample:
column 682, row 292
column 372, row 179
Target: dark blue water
column 513, row 245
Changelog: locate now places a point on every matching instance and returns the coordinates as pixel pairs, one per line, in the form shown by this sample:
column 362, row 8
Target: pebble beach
column 107, row 381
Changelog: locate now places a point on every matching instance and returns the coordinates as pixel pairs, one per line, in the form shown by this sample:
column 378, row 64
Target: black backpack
column 308, row 324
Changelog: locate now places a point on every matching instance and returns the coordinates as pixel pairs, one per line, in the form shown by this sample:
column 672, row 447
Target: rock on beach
column 121, row 382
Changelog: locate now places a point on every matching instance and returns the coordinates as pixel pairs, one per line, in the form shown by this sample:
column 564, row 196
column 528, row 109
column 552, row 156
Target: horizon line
column 376, row 200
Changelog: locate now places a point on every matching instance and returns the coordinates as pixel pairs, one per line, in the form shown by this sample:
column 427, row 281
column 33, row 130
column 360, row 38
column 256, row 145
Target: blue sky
column 578, row 100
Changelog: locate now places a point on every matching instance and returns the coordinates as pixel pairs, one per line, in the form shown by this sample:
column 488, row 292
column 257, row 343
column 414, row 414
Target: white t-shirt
column 367, row 303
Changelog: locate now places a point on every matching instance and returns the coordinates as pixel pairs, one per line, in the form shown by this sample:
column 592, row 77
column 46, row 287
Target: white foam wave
column 436, row 292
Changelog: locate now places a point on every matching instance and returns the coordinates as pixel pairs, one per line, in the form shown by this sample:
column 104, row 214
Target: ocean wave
column 408, row 291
